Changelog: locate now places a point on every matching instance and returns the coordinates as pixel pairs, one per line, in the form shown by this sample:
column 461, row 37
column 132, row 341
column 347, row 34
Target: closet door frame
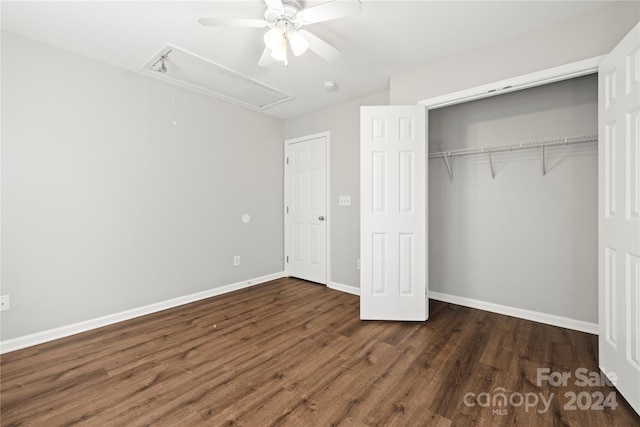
column 512, row 84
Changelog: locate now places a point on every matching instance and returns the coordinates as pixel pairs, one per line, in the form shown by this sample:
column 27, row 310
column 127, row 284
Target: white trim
column 18, row 343
column 550, row 75
column 353, row 290
column 328, row 215
column 536, row 316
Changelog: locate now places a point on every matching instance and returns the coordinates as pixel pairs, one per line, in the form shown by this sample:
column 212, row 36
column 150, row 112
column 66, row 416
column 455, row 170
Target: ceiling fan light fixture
column 274, row 38
column 299, row 44
column 280, row 52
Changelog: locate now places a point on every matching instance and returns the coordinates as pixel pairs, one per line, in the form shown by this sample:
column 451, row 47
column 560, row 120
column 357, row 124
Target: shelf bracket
column 544, row 165
column 445, row 156
column 493, row 172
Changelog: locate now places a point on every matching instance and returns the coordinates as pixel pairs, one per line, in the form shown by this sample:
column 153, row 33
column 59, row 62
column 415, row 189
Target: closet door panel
column 618, row 219
column 393, row 245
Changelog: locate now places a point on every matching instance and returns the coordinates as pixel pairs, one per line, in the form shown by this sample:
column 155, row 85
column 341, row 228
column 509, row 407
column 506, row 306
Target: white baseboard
column 536, row 316
column 18, row 343
column 344, row 288
column 76, row 328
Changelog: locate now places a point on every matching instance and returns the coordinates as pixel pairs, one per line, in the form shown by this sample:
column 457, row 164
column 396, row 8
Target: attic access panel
column 189, row 70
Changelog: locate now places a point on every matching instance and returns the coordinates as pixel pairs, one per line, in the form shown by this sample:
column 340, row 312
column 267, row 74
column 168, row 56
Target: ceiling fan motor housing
column 286, row 18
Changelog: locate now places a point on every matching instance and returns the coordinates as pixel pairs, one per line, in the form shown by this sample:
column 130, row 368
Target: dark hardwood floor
column 293, row 353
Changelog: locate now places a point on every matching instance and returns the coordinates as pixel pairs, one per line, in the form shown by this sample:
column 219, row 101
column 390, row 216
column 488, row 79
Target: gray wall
column 588, row 35
column 522, row 239
column 343, row 121
column 108, row 206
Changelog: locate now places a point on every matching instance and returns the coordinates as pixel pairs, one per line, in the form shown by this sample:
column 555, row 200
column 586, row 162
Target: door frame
column 512, row 84
column 328, row 216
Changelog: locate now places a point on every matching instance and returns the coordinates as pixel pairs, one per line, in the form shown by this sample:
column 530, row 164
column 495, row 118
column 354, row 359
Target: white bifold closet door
column 393, row 229
column 619, row 216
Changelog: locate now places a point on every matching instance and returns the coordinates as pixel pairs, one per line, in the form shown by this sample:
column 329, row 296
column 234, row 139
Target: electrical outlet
column 236, row 260
column 5, row 303
column 358, row 263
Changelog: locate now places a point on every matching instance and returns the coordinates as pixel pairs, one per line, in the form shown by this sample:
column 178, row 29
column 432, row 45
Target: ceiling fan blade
column 232, row 22
column 266, row 59
column 274, row 4
column 331, row 10
column 319, row 46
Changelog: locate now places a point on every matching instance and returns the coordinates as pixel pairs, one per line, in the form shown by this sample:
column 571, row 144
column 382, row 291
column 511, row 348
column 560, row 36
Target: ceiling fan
column 285, row 19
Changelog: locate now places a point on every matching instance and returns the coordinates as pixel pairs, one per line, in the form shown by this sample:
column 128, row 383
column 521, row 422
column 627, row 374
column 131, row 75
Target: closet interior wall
column 520, row 239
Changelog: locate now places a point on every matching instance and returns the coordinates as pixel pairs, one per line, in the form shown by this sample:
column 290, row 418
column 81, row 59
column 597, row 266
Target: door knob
column 321, row 218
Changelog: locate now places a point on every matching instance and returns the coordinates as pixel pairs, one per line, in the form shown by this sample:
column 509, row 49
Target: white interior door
column 306, row 208
column 393, row 229
column 619, row 217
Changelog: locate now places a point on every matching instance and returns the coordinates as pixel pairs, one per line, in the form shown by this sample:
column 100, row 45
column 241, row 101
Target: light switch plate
column 344, row 201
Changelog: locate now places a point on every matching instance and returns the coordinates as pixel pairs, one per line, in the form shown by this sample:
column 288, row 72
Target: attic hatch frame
column 524, row 81
column 182, row 68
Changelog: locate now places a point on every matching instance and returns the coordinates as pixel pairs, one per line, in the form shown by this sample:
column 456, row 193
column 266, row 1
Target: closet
column 513, row 183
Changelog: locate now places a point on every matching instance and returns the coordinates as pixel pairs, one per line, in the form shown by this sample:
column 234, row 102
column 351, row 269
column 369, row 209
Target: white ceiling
column 387, row 38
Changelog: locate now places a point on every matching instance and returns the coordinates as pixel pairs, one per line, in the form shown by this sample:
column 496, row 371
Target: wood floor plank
column 292, row 353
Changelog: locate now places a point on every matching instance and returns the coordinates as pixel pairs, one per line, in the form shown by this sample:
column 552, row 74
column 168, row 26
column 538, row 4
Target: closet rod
column 512, row 147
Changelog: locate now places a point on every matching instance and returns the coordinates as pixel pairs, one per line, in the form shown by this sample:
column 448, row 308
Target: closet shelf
column 512, row 147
